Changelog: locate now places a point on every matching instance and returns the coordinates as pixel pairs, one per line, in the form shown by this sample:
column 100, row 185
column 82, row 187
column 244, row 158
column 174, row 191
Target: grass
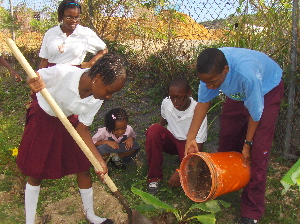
column 280, row 209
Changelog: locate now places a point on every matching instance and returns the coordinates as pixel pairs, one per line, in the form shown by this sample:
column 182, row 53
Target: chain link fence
column 161, row 39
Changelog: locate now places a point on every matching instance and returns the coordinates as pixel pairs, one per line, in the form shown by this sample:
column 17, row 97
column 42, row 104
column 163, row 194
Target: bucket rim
column 204, row 156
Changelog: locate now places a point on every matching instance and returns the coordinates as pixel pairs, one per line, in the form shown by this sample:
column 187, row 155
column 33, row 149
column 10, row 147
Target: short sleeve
column 163, row 108
column 99, row 136
column 95, row 43
column 205, row 95
column 131, row 132
column 43, row 50
column 254, row 99
column 87, row 118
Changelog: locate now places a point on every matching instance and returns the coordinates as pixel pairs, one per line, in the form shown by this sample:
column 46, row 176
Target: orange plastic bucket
column 205, row 176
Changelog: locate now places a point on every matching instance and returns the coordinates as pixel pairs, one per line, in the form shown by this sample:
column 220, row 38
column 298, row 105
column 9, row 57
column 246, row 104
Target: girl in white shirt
column 47, row 150
column 69, row 42
column 117, row 137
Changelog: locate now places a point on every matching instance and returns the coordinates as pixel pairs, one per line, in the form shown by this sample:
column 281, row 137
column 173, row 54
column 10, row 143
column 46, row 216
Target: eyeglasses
column 72, row 18
column 176, row 99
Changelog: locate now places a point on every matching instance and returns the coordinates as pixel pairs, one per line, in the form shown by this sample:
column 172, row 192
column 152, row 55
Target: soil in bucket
column 205, row 176
column 199, row 176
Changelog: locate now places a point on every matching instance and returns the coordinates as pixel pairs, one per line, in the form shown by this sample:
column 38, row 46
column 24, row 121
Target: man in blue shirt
column 253, row 87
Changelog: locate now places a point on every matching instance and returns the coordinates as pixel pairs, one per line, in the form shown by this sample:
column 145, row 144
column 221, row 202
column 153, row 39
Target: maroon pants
column 159, row 140
column 234, row 120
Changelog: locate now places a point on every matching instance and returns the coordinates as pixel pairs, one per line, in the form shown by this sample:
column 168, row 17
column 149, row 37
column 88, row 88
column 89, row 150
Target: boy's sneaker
column 118, row 164
column 245, row 220
column 153, row 187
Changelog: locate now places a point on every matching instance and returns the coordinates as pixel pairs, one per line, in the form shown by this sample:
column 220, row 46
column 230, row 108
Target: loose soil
column 198, row 179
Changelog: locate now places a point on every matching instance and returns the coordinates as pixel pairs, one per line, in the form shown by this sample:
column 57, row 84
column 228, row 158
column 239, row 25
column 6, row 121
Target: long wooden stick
column 59, row 113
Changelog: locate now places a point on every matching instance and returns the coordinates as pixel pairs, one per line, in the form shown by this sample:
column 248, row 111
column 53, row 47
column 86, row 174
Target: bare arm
column 43, row 63
column 110, row 143
column 252, row 126
column 84, row 133
column 200, row 112
column 163, row 122
column 94, row 59
column 12, row 72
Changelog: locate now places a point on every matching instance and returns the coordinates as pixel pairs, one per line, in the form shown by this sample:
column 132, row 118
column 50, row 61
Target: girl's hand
column 128, row 143
column 86, row 65
column 36, row 84
column 101, row 174
column 113, row 144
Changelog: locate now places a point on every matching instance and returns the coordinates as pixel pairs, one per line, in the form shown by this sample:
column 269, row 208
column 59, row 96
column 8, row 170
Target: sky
column 199, row 10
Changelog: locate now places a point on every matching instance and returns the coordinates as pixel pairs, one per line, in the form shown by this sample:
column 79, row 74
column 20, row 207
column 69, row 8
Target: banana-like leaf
column 213, row 206
column 205, row 219
column 150, row 199
column 201, row 206
column 224, row 203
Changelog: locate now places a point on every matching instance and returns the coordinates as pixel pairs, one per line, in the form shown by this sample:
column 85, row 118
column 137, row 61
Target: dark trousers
column 234, row 120
column 159, row 140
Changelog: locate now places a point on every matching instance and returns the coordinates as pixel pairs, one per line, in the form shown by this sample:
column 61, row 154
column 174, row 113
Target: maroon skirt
column 47, row 150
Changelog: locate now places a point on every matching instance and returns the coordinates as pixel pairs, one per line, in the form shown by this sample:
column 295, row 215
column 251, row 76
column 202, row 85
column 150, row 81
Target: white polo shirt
column 62, row 82
column 179, row 121
column 59, row 48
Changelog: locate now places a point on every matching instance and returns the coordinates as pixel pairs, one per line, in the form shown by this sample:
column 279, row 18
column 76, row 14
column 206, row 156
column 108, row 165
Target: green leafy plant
column 155, row 204
column 292, row 177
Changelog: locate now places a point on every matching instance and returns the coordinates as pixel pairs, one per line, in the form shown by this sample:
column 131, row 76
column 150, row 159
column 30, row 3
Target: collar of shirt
column 187, row 113
column 77, row 30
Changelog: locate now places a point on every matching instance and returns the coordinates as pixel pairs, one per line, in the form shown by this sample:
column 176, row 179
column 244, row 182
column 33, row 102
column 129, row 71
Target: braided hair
column 110, row 67
column 116, row 114
column 211, row 60
column 67, row 4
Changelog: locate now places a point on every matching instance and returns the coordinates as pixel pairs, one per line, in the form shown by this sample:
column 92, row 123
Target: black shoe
column 153, row 187
column 118, row 164
column 245, row 220
column 107, row 221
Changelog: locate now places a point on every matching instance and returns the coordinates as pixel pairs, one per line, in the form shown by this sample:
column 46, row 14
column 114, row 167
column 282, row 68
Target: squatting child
column 177, row 112
column 117, row 137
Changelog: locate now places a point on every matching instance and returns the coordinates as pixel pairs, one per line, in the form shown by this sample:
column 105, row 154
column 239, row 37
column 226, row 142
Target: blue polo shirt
column 251, row 75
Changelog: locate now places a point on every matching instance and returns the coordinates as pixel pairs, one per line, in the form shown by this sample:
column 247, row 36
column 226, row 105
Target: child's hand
column 36, row 84
column 128, row 143
column 246, row 155
column 101, row 174
column 113, row 144
column 191, row 147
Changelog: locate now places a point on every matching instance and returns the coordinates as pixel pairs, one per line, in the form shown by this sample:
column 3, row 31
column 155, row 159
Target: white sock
column 88, row 205
column 31, row 200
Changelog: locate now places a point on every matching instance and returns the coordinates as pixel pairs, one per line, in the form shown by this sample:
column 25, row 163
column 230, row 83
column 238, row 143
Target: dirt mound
column 69, row 210
column 166, row 25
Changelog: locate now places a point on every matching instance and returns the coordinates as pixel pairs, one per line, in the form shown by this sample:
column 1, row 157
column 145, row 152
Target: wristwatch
column 250, row 143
